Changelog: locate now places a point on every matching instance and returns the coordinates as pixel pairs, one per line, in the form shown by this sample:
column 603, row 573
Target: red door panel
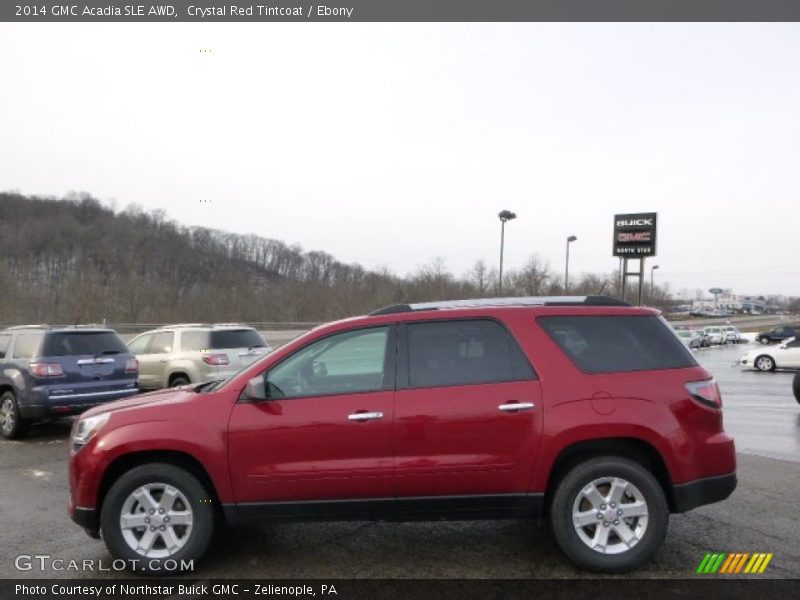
column 457, row 441
column 309, row 448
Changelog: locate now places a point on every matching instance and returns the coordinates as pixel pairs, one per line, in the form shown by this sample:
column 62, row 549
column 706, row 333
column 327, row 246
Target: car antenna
column 602, row 287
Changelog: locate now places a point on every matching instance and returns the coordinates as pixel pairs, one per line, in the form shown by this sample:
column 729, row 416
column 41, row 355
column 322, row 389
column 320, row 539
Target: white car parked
column 784, row 356
column 715, row 334
column 732, row 335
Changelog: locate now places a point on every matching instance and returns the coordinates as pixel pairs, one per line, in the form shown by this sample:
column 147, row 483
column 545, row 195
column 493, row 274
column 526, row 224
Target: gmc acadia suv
column 582, row 409
column 176, row 355
column 49, row 372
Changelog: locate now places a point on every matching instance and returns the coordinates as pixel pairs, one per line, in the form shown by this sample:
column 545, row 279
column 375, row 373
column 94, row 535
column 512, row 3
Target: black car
column 55, row 371
column 776, row 334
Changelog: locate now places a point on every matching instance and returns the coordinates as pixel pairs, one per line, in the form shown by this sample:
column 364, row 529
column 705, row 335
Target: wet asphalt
column 761, row 516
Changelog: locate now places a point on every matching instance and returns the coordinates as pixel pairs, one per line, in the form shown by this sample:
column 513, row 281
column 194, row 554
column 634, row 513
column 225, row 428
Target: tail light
column 47, row 369
column 132, row 366
column 705, row 393
column 216, row 359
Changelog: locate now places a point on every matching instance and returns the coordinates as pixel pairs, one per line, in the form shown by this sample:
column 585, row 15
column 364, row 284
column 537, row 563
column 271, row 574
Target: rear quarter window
column 81, row 343
column 4, row 342
column 193, row 341
column 27, row 345
column 611, row 344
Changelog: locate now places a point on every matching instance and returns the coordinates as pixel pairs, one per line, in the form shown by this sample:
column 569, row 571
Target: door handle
column 515, row 406
column 365, row 416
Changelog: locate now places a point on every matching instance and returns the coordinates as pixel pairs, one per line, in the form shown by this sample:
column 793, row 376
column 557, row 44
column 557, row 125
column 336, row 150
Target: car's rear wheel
column 764, row 363
column 796, row 387
column 12, row 425
column 157, row 517
column 764, row 340
column 609, row 514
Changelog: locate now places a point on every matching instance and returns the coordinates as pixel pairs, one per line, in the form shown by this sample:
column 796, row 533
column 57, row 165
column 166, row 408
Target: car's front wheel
column 796, row 387
column 609, row 514
column 764, row 363
column 159, row 518
column 764, row 340
column 12, row 425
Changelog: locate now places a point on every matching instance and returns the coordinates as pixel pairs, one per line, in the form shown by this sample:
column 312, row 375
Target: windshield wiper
column 110, row 352
column 207, row 385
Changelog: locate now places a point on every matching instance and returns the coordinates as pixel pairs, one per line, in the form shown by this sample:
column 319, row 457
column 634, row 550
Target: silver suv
column 189, row 353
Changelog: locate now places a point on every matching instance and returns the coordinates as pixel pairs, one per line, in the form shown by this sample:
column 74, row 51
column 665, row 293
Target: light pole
column 652, row 270
column 505, row 215
column 570, row 239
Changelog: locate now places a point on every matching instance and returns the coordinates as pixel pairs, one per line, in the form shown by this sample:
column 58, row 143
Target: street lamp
column 652, row 270
column 570, row 239
column 505, row 215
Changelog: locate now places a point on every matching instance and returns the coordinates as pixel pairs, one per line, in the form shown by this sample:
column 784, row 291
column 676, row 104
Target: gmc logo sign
column 643, row 236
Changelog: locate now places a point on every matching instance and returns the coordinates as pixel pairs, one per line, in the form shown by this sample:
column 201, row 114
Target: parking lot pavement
column 759, row 408
column 761, row 516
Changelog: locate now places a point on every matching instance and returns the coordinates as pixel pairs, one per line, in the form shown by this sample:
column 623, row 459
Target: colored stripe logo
column 735, row 563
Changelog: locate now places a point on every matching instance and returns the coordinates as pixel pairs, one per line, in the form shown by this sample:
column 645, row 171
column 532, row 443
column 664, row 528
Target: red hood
column 165, row 396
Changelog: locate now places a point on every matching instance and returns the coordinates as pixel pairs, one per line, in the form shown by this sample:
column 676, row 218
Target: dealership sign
column 635, row 235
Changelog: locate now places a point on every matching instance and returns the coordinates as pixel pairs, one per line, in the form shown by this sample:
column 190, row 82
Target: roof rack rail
column 184, row 325
column 41, row 326
column 495, row 302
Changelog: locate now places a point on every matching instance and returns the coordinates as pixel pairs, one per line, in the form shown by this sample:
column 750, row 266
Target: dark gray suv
column 55, row 371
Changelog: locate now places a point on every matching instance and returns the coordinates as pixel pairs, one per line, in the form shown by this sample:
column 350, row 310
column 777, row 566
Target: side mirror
column 255, row 390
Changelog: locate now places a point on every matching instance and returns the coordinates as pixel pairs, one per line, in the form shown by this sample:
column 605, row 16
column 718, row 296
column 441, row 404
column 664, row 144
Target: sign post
column 634, row 238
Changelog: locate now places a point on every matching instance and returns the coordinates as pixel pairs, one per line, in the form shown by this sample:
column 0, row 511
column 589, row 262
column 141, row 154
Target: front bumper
column 708, row 490
column 86, row 518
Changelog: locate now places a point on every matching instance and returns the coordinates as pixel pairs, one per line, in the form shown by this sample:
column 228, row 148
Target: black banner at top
column 400, row 11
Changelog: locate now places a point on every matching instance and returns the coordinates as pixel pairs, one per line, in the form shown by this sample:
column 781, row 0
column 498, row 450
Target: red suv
column 583, row 409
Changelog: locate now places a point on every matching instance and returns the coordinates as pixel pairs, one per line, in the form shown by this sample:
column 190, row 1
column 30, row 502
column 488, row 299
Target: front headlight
column 86, row 428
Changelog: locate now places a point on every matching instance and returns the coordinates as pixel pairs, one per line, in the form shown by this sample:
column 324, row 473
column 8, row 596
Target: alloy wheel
column 765, row 363
column 610, row 515
column 7, row 415
column 156, row 520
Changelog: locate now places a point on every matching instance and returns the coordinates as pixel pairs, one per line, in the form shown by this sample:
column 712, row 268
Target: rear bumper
column 708, row 490
column 39, row 406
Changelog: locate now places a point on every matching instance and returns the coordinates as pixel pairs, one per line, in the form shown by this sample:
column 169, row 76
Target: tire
column 796, row 387
column 179, row 380
column 616, row 556
column 12, row 425
column 764, row 340
column 764, row 363
column 191, row 503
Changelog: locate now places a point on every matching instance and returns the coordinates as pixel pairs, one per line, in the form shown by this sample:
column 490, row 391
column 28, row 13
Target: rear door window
column 450, row 353
column 27, row 345
column 608, row 344
column 82, row 343
column 236, row 338
column 162, row 343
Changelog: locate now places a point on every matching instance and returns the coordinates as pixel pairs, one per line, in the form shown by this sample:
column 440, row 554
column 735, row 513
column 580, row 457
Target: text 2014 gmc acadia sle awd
column 582, row 409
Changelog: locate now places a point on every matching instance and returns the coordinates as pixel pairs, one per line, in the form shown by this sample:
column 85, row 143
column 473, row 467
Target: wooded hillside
column 74, row 260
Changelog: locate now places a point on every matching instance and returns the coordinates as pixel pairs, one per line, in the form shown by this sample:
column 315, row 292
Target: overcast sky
column 391, row 144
